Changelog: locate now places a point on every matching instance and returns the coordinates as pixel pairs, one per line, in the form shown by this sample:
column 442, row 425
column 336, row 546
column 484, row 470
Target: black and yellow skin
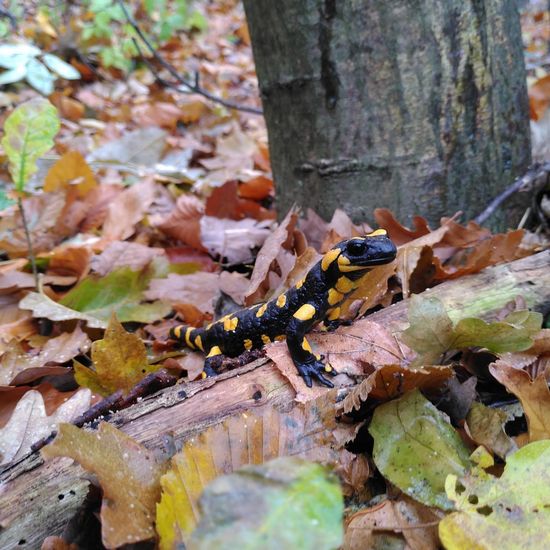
column 291, row 315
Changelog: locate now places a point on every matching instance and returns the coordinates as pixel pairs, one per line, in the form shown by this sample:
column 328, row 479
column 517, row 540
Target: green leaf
column 11, row 50
column 39, row 77
column 498, row 337
column 432, row 333
column 120, row 292
column 197, row 21
column 415, row 448
column 13, row 75
column 28, row 134
column 285, row 503
column 63, row 69
column 14, row 61
column 504, row 513
column 431, row 330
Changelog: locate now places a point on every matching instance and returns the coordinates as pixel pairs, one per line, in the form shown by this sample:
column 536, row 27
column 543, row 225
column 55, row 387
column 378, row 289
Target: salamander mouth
column 379, row 260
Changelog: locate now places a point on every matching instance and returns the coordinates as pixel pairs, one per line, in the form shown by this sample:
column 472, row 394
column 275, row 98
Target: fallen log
column 37, row 498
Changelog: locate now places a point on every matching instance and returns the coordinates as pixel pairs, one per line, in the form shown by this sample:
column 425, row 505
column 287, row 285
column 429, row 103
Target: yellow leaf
column 119, row 360
column 128, row 473
column 71, row 170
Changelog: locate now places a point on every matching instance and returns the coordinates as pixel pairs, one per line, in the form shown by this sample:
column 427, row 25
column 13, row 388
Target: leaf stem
column 29, row 241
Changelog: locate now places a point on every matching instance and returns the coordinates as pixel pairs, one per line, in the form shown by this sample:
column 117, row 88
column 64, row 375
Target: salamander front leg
column 309, row 365
column 212, row 362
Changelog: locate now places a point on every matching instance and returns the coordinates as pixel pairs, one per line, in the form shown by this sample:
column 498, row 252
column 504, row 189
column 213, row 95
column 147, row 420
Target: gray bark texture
column 415, row 105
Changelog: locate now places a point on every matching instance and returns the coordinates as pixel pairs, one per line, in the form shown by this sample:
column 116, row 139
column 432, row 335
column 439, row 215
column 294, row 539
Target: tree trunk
column 415, row 105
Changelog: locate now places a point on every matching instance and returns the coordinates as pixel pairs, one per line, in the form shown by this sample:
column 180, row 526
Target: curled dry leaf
column 29, row 422
column 393, row 523
column 183, row 223
column 70, row 261
column 341, row 227
column 269, row 251
column 124, row 254
column 533, row 394
column 400, row 234
column 391, row 381
column 14, row 362
column 128, row 473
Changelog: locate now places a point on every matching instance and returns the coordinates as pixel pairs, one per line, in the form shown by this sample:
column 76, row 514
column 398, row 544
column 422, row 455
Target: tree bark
column 415, row 105
column 37, row 498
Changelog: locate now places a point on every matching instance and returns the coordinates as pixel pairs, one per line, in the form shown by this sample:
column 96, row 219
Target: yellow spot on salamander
column 344, row 265
column 204, row 375
column 177, row 332
column 280, row 338
column 328, row 367
column 209, row 326
column 334, row 296
column 345, row 285
column 188, row 332
column 378, row 233
column 305, row 345
column 214, row 351
column 198, row 343
column 266, row 339
column 329, row 257
column 261, row 311
column 305, row 313
column 247, row 344
column 333, row 314
column 281, row 300
column 230, row 323
column 299, row 284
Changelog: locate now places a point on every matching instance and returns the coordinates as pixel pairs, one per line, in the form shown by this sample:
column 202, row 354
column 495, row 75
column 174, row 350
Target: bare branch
column 534, row 173
column 180, row 84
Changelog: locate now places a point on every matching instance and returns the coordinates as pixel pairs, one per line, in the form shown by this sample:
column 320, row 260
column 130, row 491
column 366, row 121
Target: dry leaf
column 29, row 423
column 70, row 171
column 127, row 472
column 124, row 254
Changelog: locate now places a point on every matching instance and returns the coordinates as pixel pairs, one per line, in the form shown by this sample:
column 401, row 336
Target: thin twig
column 180, row 82
column 29, row 241
column 533, row 174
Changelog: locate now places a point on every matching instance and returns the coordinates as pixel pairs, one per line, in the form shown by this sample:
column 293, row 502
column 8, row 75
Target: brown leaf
column 533, row 394
column 183, row 223
column 269, row 252
column 128, row 473
column 97, row 204
column 393, row 524
column 58, row 350
column 198, row 289
column 127, row 210
column 341, row 227
column 29, row 422
column 67, row 106
column 391, row 381
column 124, row 254
column 496, row 249
column 70, row 261
column 57, row 543
column 257, row 188
column 539, row 97
column 158, row 113
column 71, row 170
column 225, row 202
column 398, row 233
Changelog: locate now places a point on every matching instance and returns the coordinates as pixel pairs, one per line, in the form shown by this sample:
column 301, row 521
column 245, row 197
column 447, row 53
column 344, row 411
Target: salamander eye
column 356, row 247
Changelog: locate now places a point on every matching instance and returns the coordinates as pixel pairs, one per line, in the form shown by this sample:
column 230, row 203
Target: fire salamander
column 315, row 298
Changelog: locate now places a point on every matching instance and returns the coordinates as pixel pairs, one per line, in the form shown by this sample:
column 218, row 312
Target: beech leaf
column 119, row 361
column 415, row 448
column 128, row 473
column 504, row 513
column 28, row 134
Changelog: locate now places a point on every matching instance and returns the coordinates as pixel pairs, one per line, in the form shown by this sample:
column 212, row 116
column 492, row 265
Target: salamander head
column 361, row 253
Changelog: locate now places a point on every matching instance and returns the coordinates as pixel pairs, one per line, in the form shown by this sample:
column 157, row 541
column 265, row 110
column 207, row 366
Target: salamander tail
column 188, row 336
